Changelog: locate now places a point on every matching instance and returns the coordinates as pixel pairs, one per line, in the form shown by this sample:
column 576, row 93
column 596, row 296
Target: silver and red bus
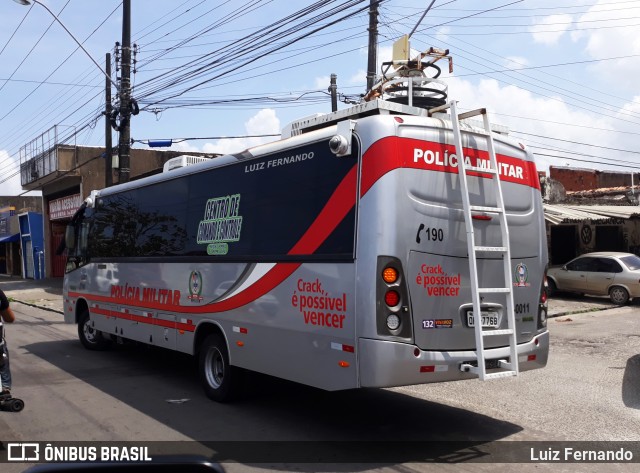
column 335, row 257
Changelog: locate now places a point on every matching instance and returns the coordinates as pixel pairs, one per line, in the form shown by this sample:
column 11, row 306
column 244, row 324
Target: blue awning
column 10, row 238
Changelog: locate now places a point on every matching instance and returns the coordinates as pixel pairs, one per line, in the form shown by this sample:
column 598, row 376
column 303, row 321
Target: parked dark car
column 603, row 273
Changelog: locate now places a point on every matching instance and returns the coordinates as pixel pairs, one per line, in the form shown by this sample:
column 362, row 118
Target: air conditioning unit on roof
column 182, row 161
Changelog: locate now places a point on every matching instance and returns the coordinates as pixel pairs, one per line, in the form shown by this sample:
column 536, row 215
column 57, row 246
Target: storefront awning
column 10, row 238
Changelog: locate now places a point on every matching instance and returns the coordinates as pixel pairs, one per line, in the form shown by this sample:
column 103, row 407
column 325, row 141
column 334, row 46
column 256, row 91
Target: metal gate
column 28, row 258
column 57, row 261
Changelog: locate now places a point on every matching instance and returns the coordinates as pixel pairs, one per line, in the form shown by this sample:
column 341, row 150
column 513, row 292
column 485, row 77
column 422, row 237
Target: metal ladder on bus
column 510, row 367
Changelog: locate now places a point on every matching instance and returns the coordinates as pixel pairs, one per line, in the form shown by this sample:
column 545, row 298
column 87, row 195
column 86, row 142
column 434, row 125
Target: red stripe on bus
column 392, row 153
column 145, row 319
column 337, row 207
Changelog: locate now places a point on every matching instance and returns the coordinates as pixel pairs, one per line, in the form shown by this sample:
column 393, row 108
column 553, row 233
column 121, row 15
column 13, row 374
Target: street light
column 28, row 2
column 124, row 91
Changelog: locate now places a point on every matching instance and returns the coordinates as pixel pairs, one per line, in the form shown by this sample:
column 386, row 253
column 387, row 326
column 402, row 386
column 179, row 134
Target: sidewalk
column 47, row 294
column 44, row 293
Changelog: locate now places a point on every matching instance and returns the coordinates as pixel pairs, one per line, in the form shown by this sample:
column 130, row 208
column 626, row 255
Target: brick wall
column 588, row 179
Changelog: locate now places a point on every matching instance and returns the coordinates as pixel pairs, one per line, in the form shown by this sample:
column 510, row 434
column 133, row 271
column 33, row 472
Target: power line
column 44, row 82
column 249, row 46
column 579, row 143
column 16, row 30
column 34, row 46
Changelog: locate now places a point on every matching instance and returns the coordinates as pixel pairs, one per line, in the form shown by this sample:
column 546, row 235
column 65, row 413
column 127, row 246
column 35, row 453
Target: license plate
column 489, row 319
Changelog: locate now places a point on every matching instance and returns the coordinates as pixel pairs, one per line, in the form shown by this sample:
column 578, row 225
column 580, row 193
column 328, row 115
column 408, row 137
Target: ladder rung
column 472, row 113
column 479, row 133
column 505, row 365
column 500, row 374
column 479, row 208
column 494, row 249
column 479, row 169
column 441, row 108
column 496, row 290
column 492, row 333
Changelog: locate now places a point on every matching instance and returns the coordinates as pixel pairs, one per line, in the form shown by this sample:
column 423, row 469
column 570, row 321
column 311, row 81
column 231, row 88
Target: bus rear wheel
column 90, row 338
column 219, row 379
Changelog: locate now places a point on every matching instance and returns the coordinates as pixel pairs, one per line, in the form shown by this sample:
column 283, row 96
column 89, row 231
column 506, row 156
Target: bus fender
column 203, row 330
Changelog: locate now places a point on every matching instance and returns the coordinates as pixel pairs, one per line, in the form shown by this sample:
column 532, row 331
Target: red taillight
column 543, row 296
column 392, row 298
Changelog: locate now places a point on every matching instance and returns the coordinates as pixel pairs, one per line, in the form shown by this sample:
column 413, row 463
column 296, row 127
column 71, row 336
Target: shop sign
column 64, row 207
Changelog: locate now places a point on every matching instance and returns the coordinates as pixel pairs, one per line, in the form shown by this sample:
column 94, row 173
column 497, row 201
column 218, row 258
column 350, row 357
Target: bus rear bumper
column 385, row 363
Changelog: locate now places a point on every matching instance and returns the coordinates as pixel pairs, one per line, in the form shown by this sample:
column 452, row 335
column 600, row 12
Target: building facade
column 13, row 211
column 591, row 210
column 66, row 175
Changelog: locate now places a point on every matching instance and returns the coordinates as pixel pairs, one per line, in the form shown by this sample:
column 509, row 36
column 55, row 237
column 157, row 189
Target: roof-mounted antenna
column 404, row 80
column 421, row 18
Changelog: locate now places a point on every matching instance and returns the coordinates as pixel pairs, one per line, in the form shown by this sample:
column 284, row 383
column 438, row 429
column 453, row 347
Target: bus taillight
column 390, row 275
column 392, row 307
column 392, row 298
column 543, row 305
column 393, row 322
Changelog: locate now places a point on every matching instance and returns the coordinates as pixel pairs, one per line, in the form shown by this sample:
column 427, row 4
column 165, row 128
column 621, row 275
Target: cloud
column 12, row 186
column 185, row 147
column 443, row 33
column 322, row 82
column 262, row 123
column 603, row 41
column 515, row 62
column 548, row 31
column 359, row 78
column 543, row 117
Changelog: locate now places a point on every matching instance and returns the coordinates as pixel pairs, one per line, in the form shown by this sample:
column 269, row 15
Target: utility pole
column 333, row 89
column 373, row 44
column 124, row 145
column 108, row 145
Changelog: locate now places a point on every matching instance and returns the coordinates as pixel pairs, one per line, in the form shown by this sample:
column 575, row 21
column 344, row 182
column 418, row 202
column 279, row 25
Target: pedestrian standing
column 6, row 315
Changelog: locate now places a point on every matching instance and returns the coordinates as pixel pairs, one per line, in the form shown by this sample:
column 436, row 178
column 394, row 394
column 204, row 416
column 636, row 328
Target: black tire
column 552, row 289
column 220, row 380
column 16, row 405
column 90, row 338
column 619, row 295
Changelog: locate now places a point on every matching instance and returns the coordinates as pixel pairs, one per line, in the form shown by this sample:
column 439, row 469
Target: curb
column 30, row 304
column 580, row 311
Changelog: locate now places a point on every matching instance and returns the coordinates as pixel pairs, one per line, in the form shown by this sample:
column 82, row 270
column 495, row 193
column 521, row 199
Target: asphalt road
column 590, row 391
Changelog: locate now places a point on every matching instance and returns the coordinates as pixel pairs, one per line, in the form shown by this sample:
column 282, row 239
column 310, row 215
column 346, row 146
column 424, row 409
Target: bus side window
column 70, row 238
column 83, row 239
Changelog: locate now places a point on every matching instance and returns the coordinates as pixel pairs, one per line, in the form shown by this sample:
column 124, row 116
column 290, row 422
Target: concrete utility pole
column 373, row 44
column 124, row 145
column 333, row 89
column 108, row 145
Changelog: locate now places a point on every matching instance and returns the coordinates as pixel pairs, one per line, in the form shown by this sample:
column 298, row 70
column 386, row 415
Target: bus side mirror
column 70, row 237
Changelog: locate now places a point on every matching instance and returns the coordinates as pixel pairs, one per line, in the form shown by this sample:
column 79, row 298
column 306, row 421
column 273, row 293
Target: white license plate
column 489, row 319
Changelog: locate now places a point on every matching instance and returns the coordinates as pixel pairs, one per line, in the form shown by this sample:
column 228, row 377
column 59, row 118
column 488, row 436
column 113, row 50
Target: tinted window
column 289, row 204
column 142, row 222
column 608, row 265
column 583, row 264
column 632, row 262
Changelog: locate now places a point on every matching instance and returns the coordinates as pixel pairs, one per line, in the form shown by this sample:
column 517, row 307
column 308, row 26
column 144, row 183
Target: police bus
column 392, row 243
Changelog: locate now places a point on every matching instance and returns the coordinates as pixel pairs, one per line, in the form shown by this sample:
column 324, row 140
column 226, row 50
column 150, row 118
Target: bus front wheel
column 219, row 379
column 91, row 338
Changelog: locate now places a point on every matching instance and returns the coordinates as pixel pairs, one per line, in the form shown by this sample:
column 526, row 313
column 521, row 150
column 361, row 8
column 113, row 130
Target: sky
column 562, row 75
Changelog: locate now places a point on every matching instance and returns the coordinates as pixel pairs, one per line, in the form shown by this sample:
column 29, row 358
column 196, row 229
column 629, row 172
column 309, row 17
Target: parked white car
column 603, row 273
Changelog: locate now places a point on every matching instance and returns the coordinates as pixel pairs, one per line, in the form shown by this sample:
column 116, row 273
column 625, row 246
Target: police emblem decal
column 195, row 286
